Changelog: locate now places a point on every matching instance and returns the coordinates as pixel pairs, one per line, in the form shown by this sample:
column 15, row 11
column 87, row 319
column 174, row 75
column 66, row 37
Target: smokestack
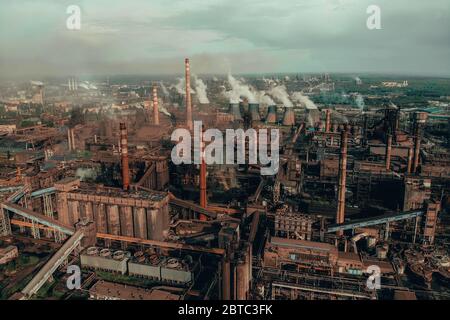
column 235, row 110
column 272, row 114
column 254, row 111
column 327, row 120
column 155, row 107
column 203, row 197
column 69, row 143
column 124, row 152
column 420, row 118
column 188, row 94
column 388, row 151
column 340, row 214
column 72, row 135
column 410, row 160
column 70, row 85
column 289, row 117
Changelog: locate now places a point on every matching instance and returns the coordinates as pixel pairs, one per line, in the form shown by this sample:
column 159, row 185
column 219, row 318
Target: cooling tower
column 235, row 110
column 253, row 109
column 289, row 117
column 272, row 114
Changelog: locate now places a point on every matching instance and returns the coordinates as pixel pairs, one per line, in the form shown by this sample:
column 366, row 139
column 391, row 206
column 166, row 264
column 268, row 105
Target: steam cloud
column 298, row 96
column 164, row 89
column 281, row 94
column 180, row 86
column 359, row 100
column 200, row 87
column 238, row 90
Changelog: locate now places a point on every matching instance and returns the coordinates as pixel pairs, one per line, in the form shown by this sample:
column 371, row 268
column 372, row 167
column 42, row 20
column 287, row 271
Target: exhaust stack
column 155, row 107
column 69, row 140
column 203, row 196
column 272, row 114
column 410, row 160
column 327, row 120
column 72, row 138
column 289, row 117
column 124, row 152
column 388, row 151
column 420, row 119
column 340, row 214
column 188, row 95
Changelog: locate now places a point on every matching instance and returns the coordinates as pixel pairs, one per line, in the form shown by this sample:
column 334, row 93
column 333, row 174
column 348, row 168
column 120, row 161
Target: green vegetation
column 124, row 279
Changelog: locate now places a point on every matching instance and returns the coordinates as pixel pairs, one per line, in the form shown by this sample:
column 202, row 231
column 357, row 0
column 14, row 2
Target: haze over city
column 250, row 36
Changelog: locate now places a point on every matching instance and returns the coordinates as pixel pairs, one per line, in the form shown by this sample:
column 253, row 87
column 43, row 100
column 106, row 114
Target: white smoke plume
column 263, row 98
column 238, row 90
column 164, row 89
column 359, row 100
column 163, row 109
column 180, row 86
column 281, row 94
column 200, row 88
column 299, row 97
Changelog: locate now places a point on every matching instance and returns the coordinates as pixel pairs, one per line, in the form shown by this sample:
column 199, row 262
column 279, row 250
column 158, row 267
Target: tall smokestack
column 410, row 160
column 388, row 151
column 72, row 136
column 188, row 94
column 289, row 117
column 327, row 120
column 420, row 118
column 272, row 114
column 340, row 214
column 155, row 107
column 124, row 152
column 69, row 143
column 203, row 197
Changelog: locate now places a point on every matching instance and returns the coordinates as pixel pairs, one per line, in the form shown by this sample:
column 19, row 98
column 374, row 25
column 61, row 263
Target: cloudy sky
column 241, row 36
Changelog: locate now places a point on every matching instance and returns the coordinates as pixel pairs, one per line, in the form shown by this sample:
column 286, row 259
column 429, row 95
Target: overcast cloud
column 241, row 36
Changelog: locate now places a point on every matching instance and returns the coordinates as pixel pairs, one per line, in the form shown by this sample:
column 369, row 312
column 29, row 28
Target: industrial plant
column 358, row 208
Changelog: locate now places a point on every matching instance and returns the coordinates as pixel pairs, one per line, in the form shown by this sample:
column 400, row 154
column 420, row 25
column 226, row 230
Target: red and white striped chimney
column 155, row 106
